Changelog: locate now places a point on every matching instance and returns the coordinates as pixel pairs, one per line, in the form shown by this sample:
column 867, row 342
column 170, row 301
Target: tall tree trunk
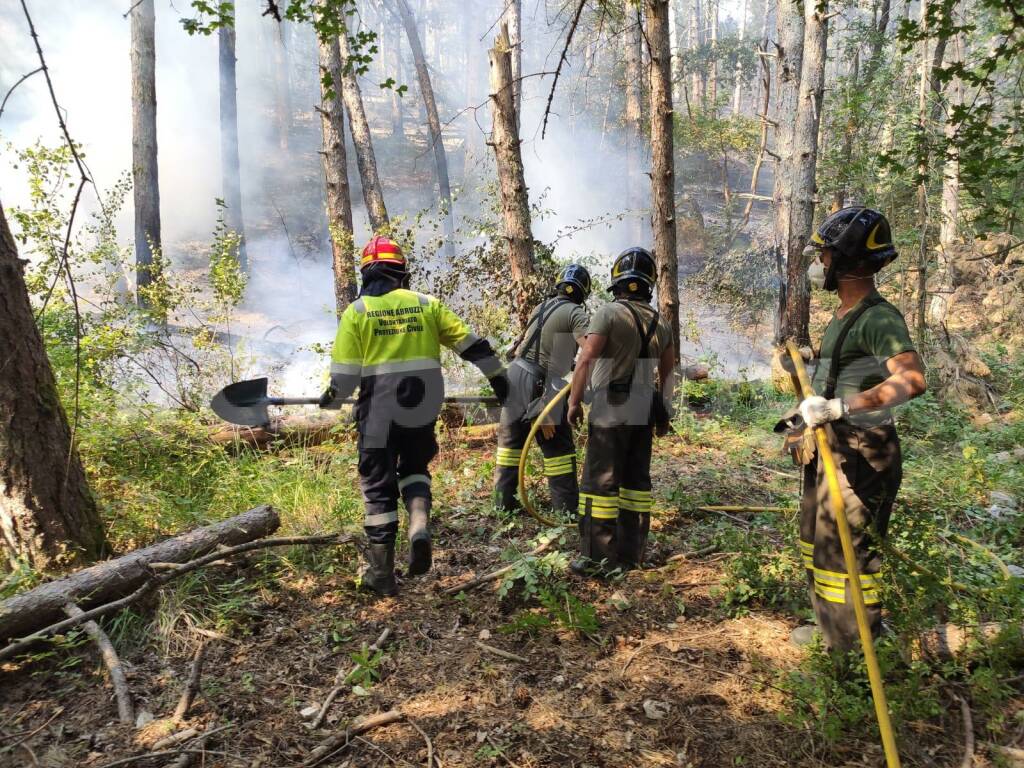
column 951, row 173
column 230, row 167
column 633, row 42
column 737, row 89
column 433, row 121
column 713, row 75
column 373, row 195
column 397, row 110
column 515, row 202
column 282, row 88
column 696, row 40
column 682, row 45
column 663, row 165
column 145, row 178
column 48, row 518
column 799, row 190
column 849, row 133
column 335, row 162
column 514, row 19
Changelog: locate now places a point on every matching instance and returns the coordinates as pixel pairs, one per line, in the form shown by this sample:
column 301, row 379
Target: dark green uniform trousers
column 615, row 495
column 870, row 470
column 559, row 461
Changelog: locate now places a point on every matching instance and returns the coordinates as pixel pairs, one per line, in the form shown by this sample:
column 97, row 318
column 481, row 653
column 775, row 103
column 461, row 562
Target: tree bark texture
column 145, row 179
column 362, row 140
column 514, row 19
column 633, row 115
column 663, row 217
column 433, row 121
column 105, row 582
column 712, row 8
column 48, row 518
column 335, row 162
column 802, row 164
column 230, row 166
column 789, row 49
column 696, row 40
column 515, row 202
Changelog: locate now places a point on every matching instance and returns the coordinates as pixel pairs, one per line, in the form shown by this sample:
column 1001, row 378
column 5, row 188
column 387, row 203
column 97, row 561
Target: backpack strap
column 544, row 313
column 645, row 336
column 835, row 364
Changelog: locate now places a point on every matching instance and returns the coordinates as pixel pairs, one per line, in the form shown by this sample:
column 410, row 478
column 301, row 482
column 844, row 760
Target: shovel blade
column 243, row 403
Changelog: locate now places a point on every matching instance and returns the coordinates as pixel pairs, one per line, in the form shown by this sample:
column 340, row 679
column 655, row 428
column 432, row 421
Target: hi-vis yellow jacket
column 383, row 342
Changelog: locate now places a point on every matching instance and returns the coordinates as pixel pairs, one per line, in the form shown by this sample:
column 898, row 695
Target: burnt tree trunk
column 335, row 162
column 802, row 163
column 362, row 140
column 282, row 89
column 48, row 518
column 230, row 167
column 145, row 179
column 110, row 580
column 663, row 176
column 433, row 121
column 633, row 114
column 515, row 203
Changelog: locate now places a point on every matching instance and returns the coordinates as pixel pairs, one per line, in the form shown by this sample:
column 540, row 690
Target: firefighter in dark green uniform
column 627, row 352
column 389, row 345
column 867, row 365
column 542, row 359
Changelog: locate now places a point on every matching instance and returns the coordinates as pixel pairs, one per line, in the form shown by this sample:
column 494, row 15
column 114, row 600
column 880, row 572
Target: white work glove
column 816, row 410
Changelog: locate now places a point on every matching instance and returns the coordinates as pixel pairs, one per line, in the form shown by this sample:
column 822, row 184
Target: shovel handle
column 293, row 400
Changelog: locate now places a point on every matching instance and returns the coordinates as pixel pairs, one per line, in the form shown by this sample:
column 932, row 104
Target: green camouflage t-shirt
column 877, row 335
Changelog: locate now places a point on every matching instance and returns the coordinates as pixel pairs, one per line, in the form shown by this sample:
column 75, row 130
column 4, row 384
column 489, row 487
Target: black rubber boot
column 598, row 550
column 633, row 528
column 506, row 488
column 379, row 575
column 420, row 554
column 565, row 493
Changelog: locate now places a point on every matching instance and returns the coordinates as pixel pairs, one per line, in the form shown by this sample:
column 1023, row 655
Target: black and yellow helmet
column 858, row 235
column 574, row 281
column 635, row 265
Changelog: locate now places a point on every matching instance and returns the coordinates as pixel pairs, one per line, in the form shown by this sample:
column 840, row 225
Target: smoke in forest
column 575, row 173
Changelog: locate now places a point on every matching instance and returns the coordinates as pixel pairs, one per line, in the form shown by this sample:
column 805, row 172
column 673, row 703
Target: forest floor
column 686, row 663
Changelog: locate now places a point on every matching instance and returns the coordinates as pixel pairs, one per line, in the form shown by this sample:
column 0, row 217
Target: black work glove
column 329, row 400
column 500, row 386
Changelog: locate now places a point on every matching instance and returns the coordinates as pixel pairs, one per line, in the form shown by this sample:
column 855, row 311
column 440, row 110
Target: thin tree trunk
column 362, row 140
column 145, row 178
column 633, row 42
column 515, row 202
column 433, row 121
column 48, row 518
column 762, row 146
column 713, row 24
column 951, row 174
column 230, row 166
column 802, row 162
column 849, row 134
column 789, row 49
column 696, row 40
column 397, row 108
column 282, row 88
column 682, row 45
column 514, row 19
column 663, row 165
column 737, row 91
column 335, row 162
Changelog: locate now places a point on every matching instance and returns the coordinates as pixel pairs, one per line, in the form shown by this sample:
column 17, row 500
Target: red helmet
column 382, row 250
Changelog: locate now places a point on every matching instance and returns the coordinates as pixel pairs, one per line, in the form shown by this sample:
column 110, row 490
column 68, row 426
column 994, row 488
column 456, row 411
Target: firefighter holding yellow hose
column 867, row 365
column 389, row 345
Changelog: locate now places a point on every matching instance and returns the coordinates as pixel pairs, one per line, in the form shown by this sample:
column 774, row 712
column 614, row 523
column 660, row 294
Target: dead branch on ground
column 192, row 687
column 125, row 708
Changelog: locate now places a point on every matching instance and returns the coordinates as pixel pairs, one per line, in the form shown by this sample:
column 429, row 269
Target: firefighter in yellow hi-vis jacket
column 389, row 346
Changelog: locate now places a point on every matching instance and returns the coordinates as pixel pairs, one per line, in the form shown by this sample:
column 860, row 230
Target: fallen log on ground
column 118, row 577
column 170, row 571
column 947, row 642
column 289, row 431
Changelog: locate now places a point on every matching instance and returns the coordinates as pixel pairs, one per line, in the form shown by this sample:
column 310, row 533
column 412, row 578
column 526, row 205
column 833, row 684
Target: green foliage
column 366, row 670
column 226, row 275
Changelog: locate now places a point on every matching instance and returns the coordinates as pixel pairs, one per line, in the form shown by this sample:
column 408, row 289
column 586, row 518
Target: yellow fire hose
column 892, row 757
column 524, row 497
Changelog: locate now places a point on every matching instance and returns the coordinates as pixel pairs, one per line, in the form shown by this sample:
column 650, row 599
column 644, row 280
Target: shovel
column 245, row 402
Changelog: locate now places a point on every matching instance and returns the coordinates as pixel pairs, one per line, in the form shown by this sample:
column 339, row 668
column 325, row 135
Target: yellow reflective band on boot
column 508, row 457
column 559, row 465
column 635, row 501
column 601, row 507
